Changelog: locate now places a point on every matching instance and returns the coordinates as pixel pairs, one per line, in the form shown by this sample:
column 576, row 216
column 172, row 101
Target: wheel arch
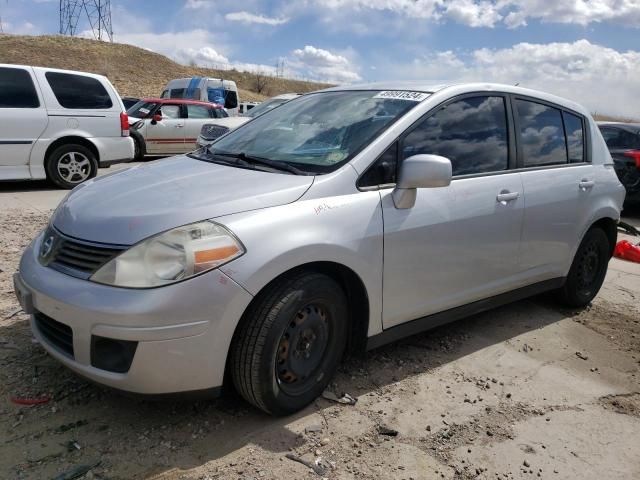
column 610, row 227
column 354, row 288
column 69, row 140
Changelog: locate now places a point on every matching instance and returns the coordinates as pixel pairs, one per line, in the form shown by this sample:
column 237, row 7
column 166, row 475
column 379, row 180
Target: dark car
column 129, row 102
column 623, row 140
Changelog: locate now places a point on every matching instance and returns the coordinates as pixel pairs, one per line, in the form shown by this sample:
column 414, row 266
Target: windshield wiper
column 250, row 159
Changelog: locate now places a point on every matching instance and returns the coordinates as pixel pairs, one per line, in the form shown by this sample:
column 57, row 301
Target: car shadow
column 177, row 436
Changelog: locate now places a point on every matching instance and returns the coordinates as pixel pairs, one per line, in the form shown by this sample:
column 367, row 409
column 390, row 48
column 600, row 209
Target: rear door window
column 17, row 89
column 471, row 132
column 574, row 130
column 542, row 136
column 78, row 91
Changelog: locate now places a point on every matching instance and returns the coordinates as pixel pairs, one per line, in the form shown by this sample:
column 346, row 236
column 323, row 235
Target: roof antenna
column 517, row 83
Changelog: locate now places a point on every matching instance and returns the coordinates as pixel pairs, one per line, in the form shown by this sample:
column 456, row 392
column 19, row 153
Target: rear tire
column 587, row 271
column 71, row 164
column 139, row 146
column 290, row 342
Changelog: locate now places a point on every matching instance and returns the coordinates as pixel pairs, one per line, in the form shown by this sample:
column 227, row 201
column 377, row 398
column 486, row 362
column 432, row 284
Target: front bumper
column 183, row 331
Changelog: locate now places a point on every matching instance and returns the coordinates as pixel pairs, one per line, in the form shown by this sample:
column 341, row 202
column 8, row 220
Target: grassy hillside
column 134, row 71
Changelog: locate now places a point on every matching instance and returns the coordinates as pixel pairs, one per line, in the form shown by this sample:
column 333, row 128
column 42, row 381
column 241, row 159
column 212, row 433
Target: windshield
column 142, row 109
column 266, row 106
column 318, row 132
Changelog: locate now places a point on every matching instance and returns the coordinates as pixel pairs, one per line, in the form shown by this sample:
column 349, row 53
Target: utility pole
column 96, row 12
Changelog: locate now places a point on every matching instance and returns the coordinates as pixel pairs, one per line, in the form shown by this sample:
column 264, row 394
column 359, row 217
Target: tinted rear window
column 78, row 91
column 541, row 134
column 16, row 89
column 575, row 137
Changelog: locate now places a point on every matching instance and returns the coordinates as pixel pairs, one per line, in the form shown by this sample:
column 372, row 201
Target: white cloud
column 247, row 18
column 601, row 78
column 512, row 13
column 320, row 64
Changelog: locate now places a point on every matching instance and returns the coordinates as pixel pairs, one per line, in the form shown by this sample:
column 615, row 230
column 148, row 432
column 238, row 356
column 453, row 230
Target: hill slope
column 134, row 71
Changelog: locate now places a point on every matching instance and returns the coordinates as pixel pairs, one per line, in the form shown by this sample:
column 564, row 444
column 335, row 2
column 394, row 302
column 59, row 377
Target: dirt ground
column 525, row 391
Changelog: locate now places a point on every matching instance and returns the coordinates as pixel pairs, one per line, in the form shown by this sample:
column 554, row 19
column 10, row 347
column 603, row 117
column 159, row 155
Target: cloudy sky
column 588, row 50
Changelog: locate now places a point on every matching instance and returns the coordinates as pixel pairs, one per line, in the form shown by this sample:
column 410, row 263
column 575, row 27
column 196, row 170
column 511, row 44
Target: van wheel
column 290, row 343
column 588, row 269
column 70, row 165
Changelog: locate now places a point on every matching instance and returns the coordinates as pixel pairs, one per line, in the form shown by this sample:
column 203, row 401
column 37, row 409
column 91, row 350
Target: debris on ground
column 319, row 466
column 77, row 472
column 389, row 432
column 31, row 401
column 581, row 356
column 344, row 399
column 627, row 251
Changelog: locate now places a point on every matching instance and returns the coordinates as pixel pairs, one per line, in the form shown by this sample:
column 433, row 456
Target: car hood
column 130, row 205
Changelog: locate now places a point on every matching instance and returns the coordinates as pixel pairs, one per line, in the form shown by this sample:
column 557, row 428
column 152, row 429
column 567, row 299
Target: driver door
column 457, row 244
column 167, row 135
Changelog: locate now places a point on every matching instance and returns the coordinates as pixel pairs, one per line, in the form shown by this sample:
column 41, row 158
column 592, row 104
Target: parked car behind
column 169, row 126
column 59, row 124
column 211, row 131
column 623, row 140
column 398, row 208
column 129, row 102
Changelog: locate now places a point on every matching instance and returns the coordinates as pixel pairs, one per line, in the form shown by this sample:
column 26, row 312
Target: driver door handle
column 505, row 197
column 586, row 184
column 179, row 126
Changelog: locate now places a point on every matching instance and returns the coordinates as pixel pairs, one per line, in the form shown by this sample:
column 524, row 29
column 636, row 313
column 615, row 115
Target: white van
column 59, row 124
column 215, row 90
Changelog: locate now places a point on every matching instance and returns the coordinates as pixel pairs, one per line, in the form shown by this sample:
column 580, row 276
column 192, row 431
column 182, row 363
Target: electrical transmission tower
column 97, row 12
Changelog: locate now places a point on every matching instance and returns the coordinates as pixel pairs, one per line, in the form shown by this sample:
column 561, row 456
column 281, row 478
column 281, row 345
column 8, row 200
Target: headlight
column 171, row 256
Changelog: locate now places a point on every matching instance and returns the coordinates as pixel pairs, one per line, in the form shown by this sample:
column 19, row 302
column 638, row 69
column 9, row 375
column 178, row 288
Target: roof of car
column 182, row 101
column 632, row 125
column 462, row 87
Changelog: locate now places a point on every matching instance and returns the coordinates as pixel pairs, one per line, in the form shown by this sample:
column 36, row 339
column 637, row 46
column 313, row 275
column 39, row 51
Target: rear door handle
column 505, row 197
column 586, row 184
column 179, row 126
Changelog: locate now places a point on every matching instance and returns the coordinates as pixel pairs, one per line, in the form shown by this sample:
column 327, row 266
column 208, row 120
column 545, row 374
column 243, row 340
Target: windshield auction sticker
column 402, row 95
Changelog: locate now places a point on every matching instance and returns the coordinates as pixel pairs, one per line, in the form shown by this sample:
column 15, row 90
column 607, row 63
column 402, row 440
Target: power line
column 96, row 12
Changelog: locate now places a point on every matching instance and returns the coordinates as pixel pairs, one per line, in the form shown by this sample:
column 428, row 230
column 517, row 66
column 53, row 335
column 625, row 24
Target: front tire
column 290, row 342
column 70, row 165
column 588, row 270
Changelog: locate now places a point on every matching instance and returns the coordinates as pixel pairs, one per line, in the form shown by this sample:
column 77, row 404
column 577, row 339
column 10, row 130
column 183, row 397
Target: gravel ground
column 525, row 391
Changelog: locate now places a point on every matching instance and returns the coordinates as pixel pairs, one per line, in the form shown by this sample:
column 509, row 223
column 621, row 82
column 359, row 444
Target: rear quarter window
column 78, row 91
column 17, row 89
column 574, row 129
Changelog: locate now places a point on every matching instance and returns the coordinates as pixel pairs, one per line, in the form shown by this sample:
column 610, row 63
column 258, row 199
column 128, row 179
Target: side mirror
column 156, row 118
column 420, row 171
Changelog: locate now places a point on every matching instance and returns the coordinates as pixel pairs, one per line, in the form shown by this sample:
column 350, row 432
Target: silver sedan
column 342, row 220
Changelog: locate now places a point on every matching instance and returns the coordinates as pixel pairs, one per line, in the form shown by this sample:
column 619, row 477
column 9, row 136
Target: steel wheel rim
column 74, row 167
column 588, row 268
column 301, row 350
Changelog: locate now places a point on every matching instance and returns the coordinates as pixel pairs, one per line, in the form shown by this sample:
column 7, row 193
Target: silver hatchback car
column 343, row 220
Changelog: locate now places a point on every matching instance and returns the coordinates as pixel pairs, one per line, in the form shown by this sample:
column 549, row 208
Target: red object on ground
column 31, row 401
column 627, row 251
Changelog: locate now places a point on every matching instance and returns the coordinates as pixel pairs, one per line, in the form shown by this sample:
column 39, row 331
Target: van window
column 78, row 91
column 471, row 132
column 231, row 99
column 575, row 137
column 17, row 89
column 197, row 111
column 541, row 134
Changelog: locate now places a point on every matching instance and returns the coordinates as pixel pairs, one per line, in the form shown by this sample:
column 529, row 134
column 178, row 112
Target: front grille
column 211, row 132
column 56, row 333
column 75, row 257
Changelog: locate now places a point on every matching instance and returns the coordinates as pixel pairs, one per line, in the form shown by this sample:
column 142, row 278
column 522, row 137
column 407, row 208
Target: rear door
column 167, row 135
column 558, row 181
column 23, row 116
column 197, row 116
